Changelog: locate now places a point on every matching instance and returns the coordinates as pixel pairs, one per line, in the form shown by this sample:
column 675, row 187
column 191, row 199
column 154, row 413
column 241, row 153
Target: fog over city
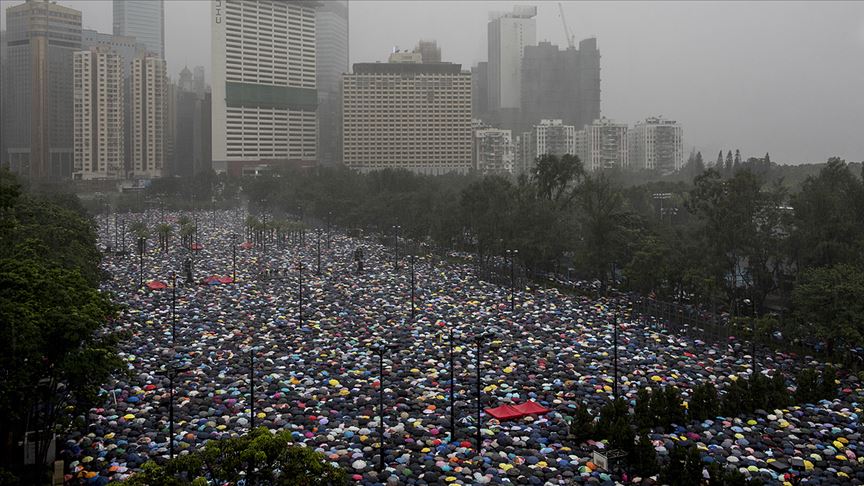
column 779, row 77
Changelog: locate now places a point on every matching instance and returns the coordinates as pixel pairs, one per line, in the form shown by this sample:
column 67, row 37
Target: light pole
column 661, row 196
column 511, row 254
column 411, row 262
column 396, row 229
column 251, row 388
column 329, row 217
column 172, row 371
column 234, row 258
column 141, row 243
column 381, row 348
column 173, row 307
column 478, row 339
column 318, row 242
column 752, row 339
column 615, row 355
column 300, row 291
column 452, row 388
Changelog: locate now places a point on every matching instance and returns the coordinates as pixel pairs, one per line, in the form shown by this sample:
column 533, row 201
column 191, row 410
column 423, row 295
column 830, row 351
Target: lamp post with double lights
column 411, row 262
column 173, row 369
column 233, row 257
column 396, row 229
column 318, row 243
column 479, row 337
column 173, row 308
column 452, row 389
column 615, row 355
column 511, row 255
column 381, row 348
column 752, row 338
column 141, row 243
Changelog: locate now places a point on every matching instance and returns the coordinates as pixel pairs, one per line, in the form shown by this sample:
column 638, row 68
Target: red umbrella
column 197, row 246
column 156, row 285
column 246, row 245
column 225, row 280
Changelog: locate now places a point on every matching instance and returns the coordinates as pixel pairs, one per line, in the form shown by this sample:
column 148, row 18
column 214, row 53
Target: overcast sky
column 779, row 77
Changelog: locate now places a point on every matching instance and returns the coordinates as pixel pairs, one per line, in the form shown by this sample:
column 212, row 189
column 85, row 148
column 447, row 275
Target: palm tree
column 164, row 231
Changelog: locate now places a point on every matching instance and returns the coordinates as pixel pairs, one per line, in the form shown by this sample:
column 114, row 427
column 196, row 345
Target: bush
column 582, row 424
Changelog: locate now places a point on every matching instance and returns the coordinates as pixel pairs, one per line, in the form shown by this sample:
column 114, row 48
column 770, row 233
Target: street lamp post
column 479, row 338
column 300, row 291
column 615, row 355
column 318, row 242
column 411, row 261
column 329, row 217
column 511, row 254
column 234, row 258
column 452, row 388
column 396, row 229
column 752, row 338
column 172, row 371
column 381, row 348
column 251, row 389
column 173, row 308
column 141, row 243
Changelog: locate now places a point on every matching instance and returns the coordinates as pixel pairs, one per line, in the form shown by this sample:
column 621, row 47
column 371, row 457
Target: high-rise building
column 480, row 90
column 331, row 45
column 41, row 39
column 192, row 125
column 604, row 145
column 264, row 112
column 657, row 144
column 508, row 34
column 149, row 92
column 3, row 71
column 128, row 48
column 493, row 151
column 99, row 114
column 549, row 137
column 414, row 116
column 144, row 20
column 429, row 51
column 561, row 84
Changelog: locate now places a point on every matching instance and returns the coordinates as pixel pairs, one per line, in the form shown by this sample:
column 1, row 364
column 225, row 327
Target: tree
column 718, row 165
column 485, row 207
column 261, row 457
column 807, row 386
column 555, row 177
column 642, row 413
column 582, row 424
column 703, row 402
column 830, row 298
column 644, row 458
column 729, row 163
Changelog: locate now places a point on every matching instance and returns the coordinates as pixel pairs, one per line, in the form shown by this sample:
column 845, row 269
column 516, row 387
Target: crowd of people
column 318, row 375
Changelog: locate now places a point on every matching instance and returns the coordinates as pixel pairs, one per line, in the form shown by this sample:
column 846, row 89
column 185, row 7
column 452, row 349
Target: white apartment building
column 604, row 145
column 508, row 34
column 550, row 137
column 264, row 83
column 657, row 144
column 414, row 116
column 149, row 91
column 99, row 135
column 493, row 151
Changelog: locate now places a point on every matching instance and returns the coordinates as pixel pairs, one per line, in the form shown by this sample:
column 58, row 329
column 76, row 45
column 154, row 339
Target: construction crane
column 571, row 38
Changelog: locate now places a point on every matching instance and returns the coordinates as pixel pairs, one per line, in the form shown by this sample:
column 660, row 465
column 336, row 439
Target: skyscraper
column 508, row 34
column 192, row 124
column 604, row 145
column 144, row 20
column 429, row 51
column 331, row 45
column 657, row 144
column 99, row 114
column 149, row 92
column 408, row 115
column 480, row 90
column 561, row 84
column 264, row 112
column 41, row 38
column 3, row 72
column 548, row 137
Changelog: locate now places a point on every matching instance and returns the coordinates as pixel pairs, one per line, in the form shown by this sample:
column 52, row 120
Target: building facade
column 99, row 115
column 414, row 116
column 508, row 34
column 192, row 125
column 149, row 93
column 561, row 84
column 493, row 151
column 429, row 51
column 331, row 44
column 264, row 112
column 657, row 144
column 143, row 20
column 480, row 90
column 605, row 145
column 549, row 137
column 41, row 39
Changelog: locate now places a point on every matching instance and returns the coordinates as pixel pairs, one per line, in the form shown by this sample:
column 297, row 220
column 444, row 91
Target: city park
column 376, row 360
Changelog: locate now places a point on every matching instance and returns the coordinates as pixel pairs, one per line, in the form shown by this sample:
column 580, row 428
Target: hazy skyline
column 779, row 77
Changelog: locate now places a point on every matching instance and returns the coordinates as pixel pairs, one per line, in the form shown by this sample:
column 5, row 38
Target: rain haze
column 779, row 77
